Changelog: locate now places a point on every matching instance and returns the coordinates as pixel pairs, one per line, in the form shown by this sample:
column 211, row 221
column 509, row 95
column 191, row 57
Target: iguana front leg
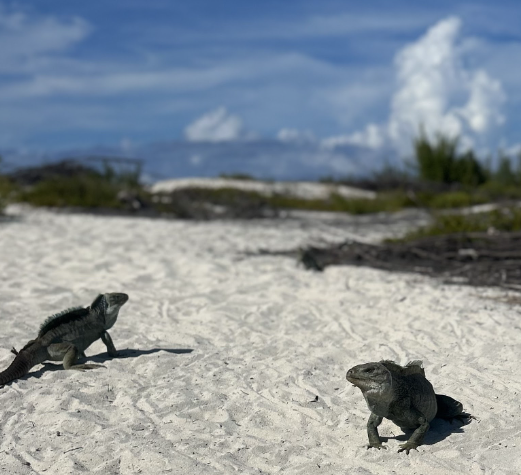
column 111, row 349
column 372, row 432
column 416, row 438
column 71, row 356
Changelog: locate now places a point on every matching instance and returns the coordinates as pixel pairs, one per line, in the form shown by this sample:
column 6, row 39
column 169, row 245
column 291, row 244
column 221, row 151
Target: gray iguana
column 403, row 395
column 66, row 335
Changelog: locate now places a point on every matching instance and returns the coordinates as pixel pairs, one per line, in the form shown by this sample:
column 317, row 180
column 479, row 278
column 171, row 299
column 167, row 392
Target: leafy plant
column 86, row 191
column 505, row 219
column 441, row 162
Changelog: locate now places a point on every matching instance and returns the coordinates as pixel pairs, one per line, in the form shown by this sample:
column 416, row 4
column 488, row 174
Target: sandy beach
column 233, row 363
column 299, row 189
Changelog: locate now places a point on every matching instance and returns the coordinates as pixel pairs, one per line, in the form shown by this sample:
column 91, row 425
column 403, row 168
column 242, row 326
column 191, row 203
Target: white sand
column 300, row 189
column 267, row 338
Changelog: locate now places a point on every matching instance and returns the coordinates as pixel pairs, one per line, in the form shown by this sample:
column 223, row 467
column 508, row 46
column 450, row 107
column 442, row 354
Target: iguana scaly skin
column 66, row 335
column 403, row 395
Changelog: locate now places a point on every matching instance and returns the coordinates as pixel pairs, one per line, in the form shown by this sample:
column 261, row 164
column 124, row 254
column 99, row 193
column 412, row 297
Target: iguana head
column 109, row 305
column 369, row 376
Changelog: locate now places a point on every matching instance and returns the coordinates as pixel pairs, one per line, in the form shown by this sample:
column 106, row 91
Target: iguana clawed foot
column 376, row 446
column 407, row 447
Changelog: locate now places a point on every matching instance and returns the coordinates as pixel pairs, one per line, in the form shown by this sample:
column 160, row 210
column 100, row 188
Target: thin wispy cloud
column 365, row 23
column 296, row 136
column 26, row 39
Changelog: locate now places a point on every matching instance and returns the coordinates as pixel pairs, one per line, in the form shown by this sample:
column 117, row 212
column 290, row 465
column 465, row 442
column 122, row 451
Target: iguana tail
column 19, row 367
column 449, row 409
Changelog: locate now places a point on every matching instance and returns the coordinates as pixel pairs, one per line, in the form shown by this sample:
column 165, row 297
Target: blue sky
column 278, row 89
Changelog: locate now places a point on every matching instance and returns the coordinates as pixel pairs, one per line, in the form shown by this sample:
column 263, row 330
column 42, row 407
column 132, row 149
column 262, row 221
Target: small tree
column 440, row 162
column 467, row 170
column 435, row 161
column 504, row 173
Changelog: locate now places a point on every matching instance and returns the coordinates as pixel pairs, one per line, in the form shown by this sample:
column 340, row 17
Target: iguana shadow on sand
column 104, row 357
column 439, row 430
column 130, row 353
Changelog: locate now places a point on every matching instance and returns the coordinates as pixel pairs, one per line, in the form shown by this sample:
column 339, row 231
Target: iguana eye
column 369, row 370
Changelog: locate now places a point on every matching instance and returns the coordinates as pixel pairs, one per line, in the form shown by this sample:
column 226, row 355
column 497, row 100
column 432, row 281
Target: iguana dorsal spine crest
column 64, row 316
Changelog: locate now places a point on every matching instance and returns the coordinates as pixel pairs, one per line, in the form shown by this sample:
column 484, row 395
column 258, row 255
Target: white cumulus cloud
column 435, row 92
column 482, row 111
column 428, row 74
column 216, row 126
column 433, row 86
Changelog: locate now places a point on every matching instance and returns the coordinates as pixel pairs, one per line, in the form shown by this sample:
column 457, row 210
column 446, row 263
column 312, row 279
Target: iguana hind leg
column 71, row 356
column 416, row 438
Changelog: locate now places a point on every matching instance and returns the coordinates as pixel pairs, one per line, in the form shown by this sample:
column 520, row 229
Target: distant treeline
column 440, row 175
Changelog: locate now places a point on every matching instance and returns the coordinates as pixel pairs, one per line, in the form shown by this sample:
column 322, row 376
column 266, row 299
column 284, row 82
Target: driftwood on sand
column 476, row 258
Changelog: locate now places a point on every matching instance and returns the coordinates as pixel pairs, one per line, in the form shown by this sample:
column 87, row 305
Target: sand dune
column 301, row 189
column 224, row 354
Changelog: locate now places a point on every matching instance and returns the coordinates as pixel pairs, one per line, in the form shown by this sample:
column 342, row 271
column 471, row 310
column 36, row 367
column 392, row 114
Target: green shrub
column 505, row 219
column 440, row 162
column 495, row 190
column 89, row 191
column 124, row 177
column 6, row 192
column 435, row 162
column 452, row 199
column 238, row 176
column 390, row 202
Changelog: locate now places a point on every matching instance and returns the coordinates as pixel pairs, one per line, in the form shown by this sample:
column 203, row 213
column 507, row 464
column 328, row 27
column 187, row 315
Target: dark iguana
column 66, row 335
column 403, row 395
